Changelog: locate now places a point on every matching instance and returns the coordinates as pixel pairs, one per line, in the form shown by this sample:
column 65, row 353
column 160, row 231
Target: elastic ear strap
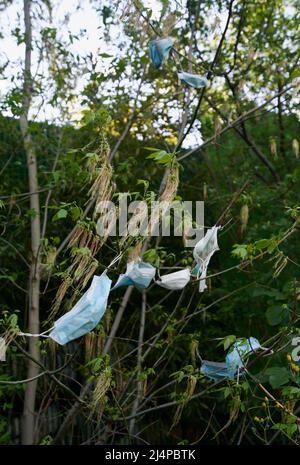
column 114, row 260
column 36, row 335
column 32, row 335
column 200, row 358
column 270, row 351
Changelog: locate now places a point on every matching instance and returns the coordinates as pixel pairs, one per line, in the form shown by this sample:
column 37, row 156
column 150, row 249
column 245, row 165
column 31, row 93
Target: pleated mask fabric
column 193, row 80
column 215, row 370
column 203, row 251
column 235, row 358
column 175, row 281
column 159, row 50
column 86, row 314
column 138, row 274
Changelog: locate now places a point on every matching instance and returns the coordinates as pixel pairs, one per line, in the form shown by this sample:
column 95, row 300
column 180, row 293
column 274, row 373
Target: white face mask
column 175, row 281
column 203, row 251
column 2, row 350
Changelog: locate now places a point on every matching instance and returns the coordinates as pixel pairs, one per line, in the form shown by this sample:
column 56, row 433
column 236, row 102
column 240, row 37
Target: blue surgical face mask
column 215, row 370
column 86, row 314
column 159, row 51
column 193, row 80
column 235, row 359
column 138, row 274
column 175, row 281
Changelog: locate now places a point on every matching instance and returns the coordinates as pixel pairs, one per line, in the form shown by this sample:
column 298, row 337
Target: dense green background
column 253, row 301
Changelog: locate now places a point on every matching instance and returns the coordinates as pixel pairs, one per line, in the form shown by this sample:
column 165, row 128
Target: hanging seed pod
column 193, row 348
column 233, row 414
column 244, row 217
column 295, row 145
column 139, row 219
column 251, row 56
column 89, row 341
column 191, row 385
column 100, row 341
column 47, row 266
column 6, row 339
column 169, row 24
column 187, row 225
column 217, row 127
column 89, row 273
column 280, row 265
column 76, row 237
column 62, row 290
column 102, row 385
column 73, row 299
column 171, row 185
column 273, row 147
column 241, row 85
column 167, row 195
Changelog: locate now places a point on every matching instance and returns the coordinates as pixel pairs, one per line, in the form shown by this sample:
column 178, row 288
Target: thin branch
column 208, row 76
column 236, row 122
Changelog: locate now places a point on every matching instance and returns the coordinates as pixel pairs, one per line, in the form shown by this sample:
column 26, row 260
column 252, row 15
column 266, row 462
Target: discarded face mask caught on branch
column 203, row 252
column 240, row 350
column 159, row 50
column 138, row 274
column 86, row 314
column 193, row 80
column 215, row 370
column 175, row 281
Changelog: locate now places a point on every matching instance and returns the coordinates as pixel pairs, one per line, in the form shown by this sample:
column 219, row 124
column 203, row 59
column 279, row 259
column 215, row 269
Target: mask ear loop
column 158, row 274
column 199, row 356
column 243, row 363
column 113, row 261
column 238, row 376
column 36, row 335
column 266, row 349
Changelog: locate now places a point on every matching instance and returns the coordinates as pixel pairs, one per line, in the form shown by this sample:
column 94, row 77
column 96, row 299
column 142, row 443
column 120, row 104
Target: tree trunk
column 28, row 424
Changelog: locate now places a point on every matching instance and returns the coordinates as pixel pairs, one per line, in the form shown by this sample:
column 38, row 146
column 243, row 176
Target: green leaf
column 229, row 341
column 227, row 392
column 277, row 314
column 291, row 392
column 240, row 251
column 278, row 376
column 295, row 73
column 105, row 55
column 258, row 291
column 161, row 157
column 152, row 149
column 13, row 320
column 76, row 212
column 62, row 213
column 263, row 243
